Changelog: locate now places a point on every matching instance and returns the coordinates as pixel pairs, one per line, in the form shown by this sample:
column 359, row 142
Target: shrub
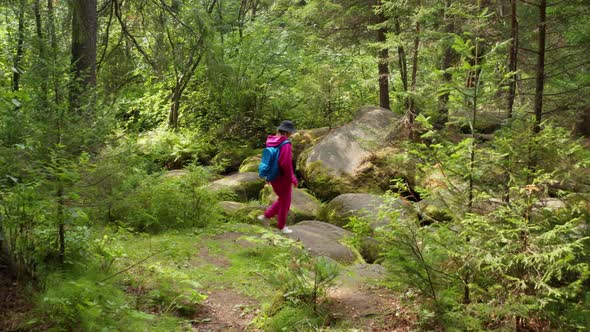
column 513, row 263
column 289, row 318
column 306, row 280
column 85, row 303
column 174, row 150
column 159, row 203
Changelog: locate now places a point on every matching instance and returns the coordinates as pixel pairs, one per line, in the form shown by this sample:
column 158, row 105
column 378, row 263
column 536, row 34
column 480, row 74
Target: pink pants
column 280, row 208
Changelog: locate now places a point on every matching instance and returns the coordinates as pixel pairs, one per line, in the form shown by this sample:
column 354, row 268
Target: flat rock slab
column 323, row 239
column 245, row 186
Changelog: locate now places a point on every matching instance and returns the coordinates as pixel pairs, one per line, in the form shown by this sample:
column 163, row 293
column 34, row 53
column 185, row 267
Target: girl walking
column 284, row 183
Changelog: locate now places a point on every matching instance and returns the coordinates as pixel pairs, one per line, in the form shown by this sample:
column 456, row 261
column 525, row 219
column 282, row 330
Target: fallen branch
column 133, row 265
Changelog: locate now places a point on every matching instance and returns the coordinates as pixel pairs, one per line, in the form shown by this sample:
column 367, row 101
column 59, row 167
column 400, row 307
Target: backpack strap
column 283, row 143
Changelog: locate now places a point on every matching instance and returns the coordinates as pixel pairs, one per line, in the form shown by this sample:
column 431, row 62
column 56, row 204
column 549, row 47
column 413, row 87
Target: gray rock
column 177, row 173
column 304, row 206
column 323, row 239
column 229, row 207
column 250, row 164
column 487, row 122
column 306, row 138
column 550, row 204
column 347, row 158
column 245, row 186
column 344, row 149
column 370, row 208
column 366, row 206
column 241, row 212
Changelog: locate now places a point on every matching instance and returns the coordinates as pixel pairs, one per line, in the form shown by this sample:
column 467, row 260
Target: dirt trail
column 226, row 310
column 14, row 303
column 369, row 309
column 354, row 301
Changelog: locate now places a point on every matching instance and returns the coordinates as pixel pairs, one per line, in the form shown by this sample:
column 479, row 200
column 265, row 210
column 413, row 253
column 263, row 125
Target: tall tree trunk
column 16, row 73
column 44, row 70
column 412, row 110
column 540, row 78
column 51, row 35
column 446, row 63
column 383, row 65
column 84, row 28
column 174, row 107
column 401, row 56
column 513, row 57
column 61, row 224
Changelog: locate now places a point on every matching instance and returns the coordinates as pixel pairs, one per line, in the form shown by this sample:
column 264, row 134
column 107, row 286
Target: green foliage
column 31, row 213
column 360, row 229
column 231, row 156
column 86, row 303
column 158, row 203
column 174, row 149
column 172, row 290
column 305, row 280
column 497, row 264
column 303, row 283
column 289, row 318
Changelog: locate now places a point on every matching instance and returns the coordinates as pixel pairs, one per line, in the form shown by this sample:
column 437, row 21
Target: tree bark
column 84, row 30
column 401, row 53
column 61, row 224
column 540, row 77
column 446, row 63
column 513, row 57
column 383, row 65
column 16, row 71
column 412, row 110
column 44, row 70
column 51, row 34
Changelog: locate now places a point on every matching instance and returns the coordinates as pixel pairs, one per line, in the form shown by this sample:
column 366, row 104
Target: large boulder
column 304, row 206
column 230, row 158
column 487, row 122
column 323, row 239
column 244, row 186
column 250, row 164
column 341, row 161
column 369, row 207
column 447, row 192
column 306, row 138
column 241, row 212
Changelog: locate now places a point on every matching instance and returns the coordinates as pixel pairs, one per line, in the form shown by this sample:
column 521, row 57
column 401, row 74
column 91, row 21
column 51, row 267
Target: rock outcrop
column 348, row 158
column 323, row 239
column 244, row 186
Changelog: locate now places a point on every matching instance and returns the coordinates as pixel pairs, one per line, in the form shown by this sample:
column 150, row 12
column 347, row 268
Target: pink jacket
column 285, row 159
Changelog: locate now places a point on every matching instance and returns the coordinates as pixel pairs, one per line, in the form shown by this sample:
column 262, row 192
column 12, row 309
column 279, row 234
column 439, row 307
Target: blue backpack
column 269, row 166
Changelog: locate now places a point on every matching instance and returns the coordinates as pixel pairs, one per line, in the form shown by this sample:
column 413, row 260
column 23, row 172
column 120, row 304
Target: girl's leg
column 272, row 210
column 284, row 203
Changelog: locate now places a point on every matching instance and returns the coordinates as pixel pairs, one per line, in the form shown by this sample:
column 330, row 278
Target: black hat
column 287, row 126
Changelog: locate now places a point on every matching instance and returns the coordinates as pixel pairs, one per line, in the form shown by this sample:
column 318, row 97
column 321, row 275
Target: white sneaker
column 286, row 230
column 262, row 218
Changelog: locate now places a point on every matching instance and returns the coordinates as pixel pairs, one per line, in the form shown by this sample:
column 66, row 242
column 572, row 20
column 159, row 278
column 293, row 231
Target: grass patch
column 186, row 266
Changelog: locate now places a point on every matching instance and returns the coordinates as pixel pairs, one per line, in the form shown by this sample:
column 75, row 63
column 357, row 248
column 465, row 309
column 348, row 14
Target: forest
column 442, row 155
